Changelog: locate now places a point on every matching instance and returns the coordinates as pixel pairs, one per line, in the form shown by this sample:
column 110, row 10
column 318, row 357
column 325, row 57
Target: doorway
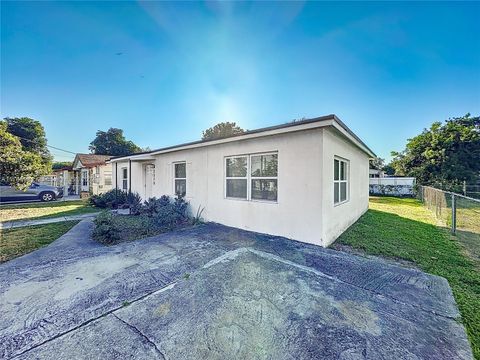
column 149, row 171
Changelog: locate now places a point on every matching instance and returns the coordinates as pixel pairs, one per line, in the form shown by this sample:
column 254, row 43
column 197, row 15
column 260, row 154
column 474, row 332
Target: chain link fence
column 460, row 213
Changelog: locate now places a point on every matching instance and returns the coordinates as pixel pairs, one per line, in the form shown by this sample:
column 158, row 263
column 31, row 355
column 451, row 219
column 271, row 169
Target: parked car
column 34, row 192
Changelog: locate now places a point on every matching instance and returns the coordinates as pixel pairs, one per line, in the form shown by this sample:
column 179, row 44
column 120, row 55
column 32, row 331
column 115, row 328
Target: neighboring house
column 392, row 185
column 92, row 175
column 375, row 173
column 306, row 180
column 61, row 177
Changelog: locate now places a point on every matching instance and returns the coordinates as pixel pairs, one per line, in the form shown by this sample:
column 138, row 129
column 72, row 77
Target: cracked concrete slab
column 247, row 295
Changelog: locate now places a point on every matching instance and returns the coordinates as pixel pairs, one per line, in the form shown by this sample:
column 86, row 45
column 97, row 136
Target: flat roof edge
column 248, row 134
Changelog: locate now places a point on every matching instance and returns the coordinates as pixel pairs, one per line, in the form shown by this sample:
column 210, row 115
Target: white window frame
column 249, row 177
column 85, row 178
column 339, row 181
column 124, row 179
column 107, row 174
column 175, row 178
column 261, row 177
column 246, row 177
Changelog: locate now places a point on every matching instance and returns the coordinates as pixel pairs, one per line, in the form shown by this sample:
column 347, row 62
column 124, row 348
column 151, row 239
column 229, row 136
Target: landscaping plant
column 106, row 228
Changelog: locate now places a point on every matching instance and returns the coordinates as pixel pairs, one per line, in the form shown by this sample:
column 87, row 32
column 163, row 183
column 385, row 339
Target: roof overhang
column 321, row 122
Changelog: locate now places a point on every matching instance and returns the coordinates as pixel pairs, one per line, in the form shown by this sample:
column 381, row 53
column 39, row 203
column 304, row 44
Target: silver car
column 34, row 192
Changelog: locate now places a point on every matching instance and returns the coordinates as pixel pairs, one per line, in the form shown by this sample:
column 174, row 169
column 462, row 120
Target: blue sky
column 386, row 69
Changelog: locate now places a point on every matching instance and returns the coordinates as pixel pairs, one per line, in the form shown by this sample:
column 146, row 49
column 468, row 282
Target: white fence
column 396, row 186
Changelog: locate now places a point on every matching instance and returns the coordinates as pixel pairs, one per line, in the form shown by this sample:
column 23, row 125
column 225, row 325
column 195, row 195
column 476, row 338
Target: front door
column 85, row 180
column 149, row 180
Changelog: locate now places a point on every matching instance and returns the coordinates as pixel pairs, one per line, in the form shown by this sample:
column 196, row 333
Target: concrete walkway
column 22, row 223
column 214, row 292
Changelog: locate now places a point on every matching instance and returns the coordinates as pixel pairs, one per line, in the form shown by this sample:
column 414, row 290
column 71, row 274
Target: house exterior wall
column 97, row 181
column 304, row 208
column 337, row 218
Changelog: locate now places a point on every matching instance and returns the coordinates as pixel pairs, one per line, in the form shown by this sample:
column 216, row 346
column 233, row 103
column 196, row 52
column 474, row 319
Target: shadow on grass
column 470, row 241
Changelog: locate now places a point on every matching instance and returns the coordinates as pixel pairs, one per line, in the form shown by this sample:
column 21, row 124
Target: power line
column 50, row 146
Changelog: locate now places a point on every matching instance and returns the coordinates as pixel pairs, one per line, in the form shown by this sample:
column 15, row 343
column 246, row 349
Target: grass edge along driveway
column 42, row 210
column 20, row 241
column 405, row 229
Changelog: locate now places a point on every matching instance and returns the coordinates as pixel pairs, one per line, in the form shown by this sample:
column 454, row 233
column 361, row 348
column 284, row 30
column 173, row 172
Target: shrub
column 106, row 229
column 134, row 202
column 170, row 214
column 166, row 217
column 164, row 200
column 150, row 206
column 109, row 200
column 197, row 219
column 180, row 206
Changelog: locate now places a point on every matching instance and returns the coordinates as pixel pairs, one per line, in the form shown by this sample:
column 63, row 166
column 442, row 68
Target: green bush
column 134, row 202
column 155, row 216
column 153, row 205
column 106, row 229
column 170, row 214
column 109, row 200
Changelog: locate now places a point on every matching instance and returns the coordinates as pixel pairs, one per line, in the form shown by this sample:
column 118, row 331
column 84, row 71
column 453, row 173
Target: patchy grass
column 45, row 210
column 20, row 241
column 404, row 229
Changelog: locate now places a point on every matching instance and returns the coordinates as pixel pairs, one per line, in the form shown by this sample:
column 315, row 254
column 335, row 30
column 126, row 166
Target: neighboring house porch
column 91, row 174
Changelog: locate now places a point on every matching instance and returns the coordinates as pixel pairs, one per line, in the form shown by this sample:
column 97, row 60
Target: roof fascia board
column 300, row 127
column 320, row 123
column 345, row 133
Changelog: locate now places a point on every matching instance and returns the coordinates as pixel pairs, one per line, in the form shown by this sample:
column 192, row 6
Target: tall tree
column 32, row 137
column 18, row 168
column 377, row 163
column 113, row 142
column 222, row 130
column 445, row 155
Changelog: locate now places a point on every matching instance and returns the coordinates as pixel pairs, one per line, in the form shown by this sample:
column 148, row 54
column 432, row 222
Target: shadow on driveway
column 220, row 293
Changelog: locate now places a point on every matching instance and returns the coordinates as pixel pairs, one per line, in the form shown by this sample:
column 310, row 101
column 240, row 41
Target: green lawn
column 44, row 210
column 19, row 241
column 405, row 229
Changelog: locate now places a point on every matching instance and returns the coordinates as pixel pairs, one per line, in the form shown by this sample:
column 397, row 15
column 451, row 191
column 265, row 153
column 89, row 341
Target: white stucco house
column 305, row 180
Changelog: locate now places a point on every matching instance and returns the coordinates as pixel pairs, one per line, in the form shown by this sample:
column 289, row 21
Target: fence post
column 454, row 214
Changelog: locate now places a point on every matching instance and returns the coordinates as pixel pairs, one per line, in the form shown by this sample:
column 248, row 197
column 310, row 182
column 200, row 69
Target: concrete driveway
column 220, row 293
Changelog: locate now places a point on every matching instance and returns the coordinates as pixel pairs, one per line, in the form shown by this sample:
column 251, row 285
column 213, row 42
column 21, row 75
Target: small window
column 124, row 179
column 108, row 177
column 264, row 177
column 180, row 178
column 340, row 181
column 236, row 177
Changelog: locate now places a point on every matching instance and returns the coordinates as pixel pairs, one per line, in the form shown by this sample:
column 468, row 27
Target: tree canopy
column 61, row 164
column 444, row 156
column 222, row 130
column 32, row 138
column 18, row 168
column 377, row 163
column 112, row 142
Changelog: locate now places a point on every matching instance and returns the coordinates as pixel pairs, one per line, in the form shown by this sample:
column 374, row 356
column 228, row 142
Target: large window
column 180, row 178
column 264, row 177
column 124, row 179
column 236, row 177
column 340, row 181
column 252, row 177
